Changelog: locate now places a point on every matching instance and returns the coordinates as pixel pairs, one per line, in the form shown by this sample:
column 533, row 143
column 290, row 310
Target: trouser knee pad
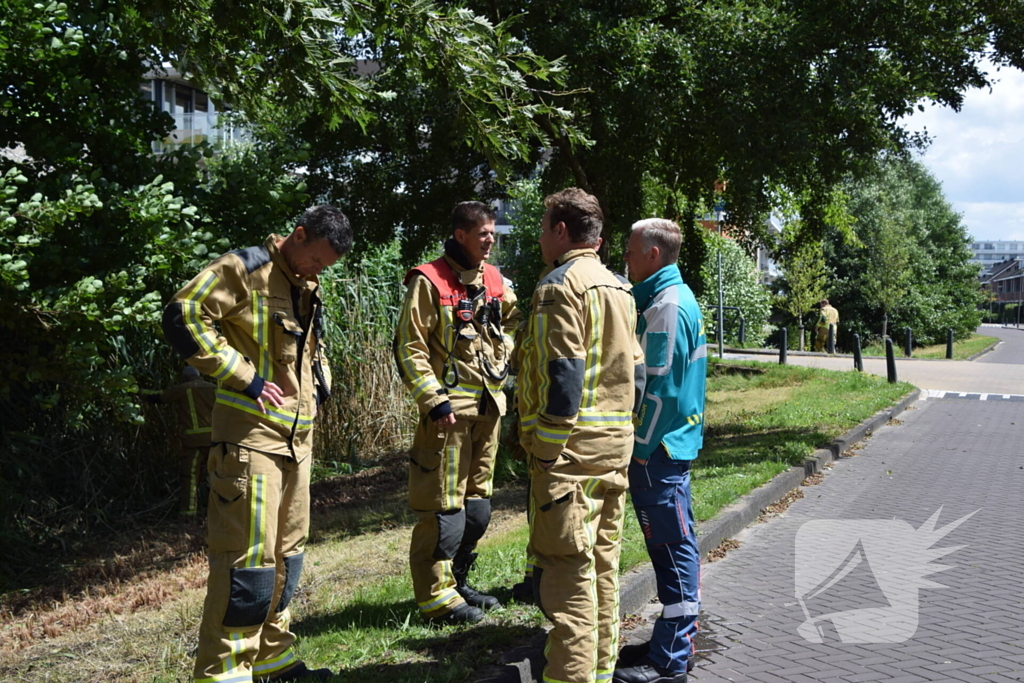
column 451, row 525
column 478, row 516
column 252, row 589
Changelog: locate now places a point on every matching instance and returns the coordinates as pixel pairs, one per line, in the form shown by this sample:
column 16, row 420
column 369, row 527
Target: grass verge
column 962, row 350
column 355, row 611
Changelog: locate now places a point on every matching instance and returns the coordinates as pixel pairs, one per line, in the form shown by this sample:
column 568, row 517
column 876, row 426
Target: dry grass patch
column 730, row 406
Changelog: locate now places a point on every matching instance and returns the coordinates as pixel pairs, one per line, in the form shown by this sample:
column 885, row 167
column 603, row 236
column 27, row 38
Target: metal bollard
column 743, row 331
column 831, row 348
column 783, row 346
column 949, row 344
column 890, row 361
column 858, row 359
column 908, row 342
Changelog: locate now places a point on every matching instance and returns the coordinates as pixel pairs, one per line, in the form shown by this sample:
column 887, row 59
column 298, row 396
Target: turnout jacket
column 193, row 403
column 430, row 340
column 269, row 332
column 582, row 369
column 828, row 316
column 671, row 332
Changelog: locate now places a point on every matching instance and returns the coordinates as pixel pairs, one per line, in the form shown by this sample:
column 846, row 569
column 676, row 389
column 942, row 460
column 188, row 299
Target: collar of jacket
column 665, row 277
column 585, row 252
column 278, row 258
column 456, row 258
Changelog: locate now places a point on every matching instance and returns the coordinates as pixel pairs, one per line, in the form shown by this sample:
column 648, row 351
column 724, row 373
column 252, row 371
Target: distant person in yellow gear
column 193, row 401
column 829, row 316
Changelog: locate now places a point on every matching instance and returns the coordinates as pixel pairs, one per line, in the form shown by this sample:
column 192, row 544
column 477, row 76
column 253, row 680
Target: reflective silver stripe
column 680, row 609
column 699, row 352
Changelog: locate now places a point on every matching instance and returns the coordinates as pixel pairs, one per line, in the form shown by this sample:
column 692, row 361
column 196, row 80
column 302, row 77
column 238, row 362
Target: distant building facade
column 989, row 254
column 197, row 117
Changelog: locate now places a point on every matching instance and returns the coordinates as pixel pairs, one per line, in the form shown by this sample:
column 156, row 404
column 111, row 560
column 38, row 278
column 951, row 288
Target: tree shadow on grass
column 448, row 653
column 790, row 446
column 454, row 654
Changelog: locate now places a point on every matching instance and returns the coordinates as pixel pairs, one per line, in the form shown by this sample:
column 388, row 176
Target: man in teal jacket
column 669, row 434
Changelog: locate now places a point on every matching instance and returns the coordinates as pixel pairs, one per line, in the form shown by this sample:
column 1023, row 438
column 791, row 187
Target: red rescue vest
column 444, row 279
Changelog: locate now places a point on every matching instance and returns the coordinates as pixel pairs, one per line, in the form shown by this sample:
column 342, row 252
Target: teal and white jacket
column 670, row 328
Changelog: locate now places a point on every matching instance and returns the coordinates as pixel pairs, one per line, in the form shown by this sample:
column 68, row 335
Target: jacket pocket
column 431, row 479
column 229, row 497
column 558, row 518
column 286, row 332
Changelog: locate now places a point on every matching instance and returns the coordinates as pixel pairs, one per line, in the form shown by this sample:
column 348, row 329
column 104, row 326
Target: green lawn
column 354, row 610
column 962, row 350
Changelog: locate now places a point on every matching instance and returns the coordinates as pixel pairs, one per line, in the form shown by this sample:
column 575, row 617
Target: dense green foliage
column 763, row 94
column 803, row 284
column 911, row 261
column 741, row 287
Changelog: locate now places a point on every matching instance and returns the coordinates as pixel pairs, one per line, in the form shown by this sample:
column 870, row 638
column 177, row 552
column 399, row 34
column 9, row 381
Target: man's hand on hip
column 272, row 394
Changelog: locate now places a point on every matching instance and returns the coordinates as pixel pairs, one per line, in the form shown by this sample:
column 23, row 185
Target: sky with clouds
column 978, row 156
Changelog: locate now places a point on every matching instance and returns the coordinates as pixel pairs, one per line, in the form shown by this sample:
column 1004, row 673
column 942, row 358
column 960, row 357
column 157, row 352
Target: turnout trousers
column 258, row 520
column 660, row 489
column 575, row 537
column 451, row 478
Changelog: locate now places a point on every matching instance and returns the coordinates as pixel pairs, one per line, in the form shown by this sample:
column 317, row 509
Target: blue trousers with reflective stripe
column 660, row 489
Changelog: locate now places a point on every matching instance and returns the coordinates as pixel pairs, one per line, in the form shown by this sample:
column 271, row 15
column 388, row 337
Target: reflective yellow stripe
column 440, row 601
column 203, row 288
column 257, row 520
column 273, row 414
column 540, row 334
column 233, row 677
column 276, row 664
column 593, row 362
column 553, row 435
column 452, row 483
column 192, row 413
column 420, row 384
column 261, row 334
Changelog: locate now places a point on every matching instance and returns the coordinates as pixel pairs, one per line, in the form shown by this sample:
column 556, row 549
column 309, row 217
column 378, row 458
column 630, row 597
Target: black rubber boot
column 630, row 654
column 461, row 566
column 460, row 614
column 646, row 671
column 522, row 592
column 300, row 672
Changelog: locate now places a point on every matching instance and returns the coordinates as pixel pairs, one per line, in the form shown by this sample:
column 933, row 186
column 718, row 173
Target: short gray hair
column 661, row 233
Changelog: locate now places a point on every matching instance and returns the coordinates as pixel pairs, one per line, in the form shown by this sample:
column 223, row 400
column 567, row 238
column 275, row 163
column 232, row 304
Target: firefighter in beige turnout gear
column 268, row 359
column 452, row 347
column 193, row 400
column 578, row 390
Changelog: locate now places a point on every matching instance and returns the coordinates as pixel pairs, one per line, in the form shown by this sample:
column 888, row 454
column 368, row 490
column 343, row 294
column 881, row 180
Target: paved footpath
column 960, row 455
column 1000, row 371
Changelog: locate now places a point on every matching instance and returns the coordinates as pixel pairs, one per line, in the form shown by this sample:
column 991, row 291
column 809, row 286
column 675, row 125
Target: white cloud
column 978, row 154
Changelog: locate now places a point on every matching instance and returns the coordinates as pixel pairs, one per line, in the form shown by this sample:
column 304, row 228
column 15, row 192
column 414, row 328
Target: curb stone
column 638, row 586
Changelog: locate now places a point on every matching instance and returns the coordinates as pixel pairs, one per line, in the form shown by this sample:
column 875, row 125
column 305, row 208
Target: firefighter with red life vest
column 453, row 346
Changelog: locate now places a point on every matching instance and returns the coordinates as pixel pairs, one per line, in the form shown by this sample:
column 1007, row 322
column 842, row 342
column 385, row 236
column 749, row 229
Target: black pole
column 890, row 361
column 743, row 331
column 831, row 338
column 858, row 359
column 908, row 342
column 783, row 346
column 949, row 344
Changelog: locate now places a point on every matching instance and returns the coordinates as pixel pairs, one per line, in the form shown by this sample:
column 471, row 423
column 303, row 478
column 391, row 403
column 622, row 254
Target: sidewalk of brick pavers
column 638, row 587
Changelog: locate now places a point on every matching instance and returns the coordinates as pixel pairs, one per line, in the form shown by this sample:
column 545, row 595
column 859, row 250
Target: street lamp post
column 719, row 210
